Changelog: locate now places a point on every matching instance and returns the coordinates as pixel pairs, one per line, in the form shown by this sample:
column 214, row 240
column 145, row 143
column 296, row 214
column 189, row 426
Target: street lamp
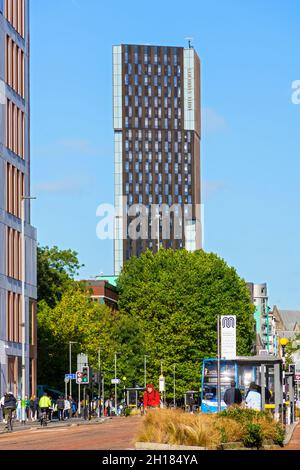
column 116, row 395
column 70, row 363
column 283, row 343
column 23, row 323
column 145, row 369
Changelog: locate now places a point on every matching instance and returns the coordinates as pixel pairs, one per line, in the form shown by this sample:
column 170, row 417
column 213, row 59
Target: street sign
column 228, row 336
column 82, row 360
column 297, row 368
column 297, row 378
column 70, row 376
column 67, row 380
column 79, row 377
column 162, row 384
column 115, row 381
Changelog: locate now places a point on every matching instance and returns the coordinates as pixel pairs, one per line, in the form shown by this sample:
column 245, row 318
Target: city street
column 114, row 434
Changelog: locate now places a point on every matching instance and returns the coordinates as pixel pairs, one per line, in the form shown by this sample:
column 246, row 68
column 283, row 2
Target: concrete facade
column 17, row 32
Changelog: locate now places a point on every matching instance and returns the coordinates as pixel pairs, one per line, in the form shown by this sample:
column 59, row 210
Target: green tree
column 56, row 270
column 175, row 297
column 76, row 317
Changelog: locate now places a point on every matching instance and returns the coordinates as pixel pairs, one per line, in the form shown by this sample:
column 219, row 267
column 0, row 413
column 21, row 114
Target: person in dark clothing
column 232, row 395
column 10, row 404
column 60, row 408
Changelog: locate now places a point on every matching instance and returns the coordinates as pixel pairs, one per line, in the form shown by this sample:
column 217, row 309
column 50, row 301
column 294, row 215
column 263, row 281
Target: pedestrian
column 10, row 404
column 232, row 395
column 67, row 409
column 151, row 398
column 19, row 409
column 27, row 408
column 108, row 406
column 33, row 407
column 2, row 407
column 60, row 408
column 253, row 397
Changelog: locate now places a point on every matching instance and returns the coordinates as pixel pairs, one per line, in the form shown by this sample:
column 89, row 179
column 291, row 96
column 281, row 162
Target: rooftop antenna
column 189, row 40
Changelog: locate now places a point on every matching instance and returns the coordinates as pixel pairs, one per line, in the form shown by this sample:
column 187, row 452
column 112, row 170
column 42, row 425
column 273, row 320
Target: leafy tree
column 175, row 297
column 56, row 270
column 92, row 326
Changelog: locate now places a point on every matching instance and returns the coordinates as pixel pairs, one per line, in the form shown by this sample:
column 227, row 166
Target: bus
column 230, row 370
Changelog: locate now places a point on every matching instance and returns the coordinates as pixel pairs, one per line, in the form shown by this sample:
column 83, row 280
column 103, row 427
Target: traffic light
column 85, row 375
column 94, row 377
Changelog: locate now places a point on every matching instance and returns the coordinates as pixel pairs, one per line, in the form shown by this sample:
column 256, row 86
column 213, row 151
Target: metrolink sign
column 228, row 336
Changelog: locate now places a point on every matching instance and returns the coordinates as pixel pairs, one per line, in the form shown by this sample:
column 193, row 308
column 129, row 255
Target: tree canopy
column 175, row 297
column 56, row 270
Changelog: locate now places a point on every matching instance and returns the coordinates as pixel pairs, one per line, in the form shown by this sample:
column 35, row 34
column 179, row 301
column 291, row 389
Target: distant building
column 266, row 337
column 288, row 326
column 104, row 291
column 157, row 120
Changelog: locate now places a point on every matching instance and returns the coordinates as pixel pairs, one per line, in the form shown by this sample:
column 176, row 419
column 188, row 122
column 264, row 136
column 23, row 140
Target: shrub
column 279, row 435
column 254, row 436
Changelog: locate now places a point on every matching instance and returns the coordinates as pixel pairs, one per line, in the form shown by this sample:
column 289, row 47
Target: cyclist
column 44, row 405
column 10, row 405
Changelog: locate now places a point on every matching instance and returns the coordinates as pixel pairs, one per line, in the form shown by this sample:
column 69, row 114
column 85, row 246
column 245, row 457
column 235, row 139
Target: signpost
column 115, row 381
column 228, row 336
column 82, row 361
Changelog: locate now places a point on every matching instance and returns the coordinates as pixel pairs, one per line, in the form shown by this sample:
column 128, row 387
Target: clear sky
column 250, row 151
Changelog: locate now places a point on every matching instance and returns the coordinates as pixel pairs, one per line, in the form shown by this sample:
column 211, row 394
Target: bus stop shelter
column 268, row 374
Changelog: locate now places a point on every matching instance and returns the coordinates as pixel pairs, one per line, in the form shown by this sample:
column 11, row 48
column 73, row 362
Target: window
column 126, row 100
column 136, row 80
column 129, row 69
column 14, row 190
column 126, row 79
column 15, row 129
column 13, row 254
column 13, row 318
column 15, row 67
column 15, row 13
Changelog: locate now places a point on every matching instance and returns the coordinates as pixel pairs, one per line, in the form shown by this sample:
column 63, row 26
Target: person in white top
column 253, row 397
column 67, row 409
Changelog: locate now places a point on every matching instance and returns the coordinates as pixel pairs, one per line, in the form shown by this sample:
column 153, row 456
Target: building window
column 14, row 12
column 13, row 254
column 15, row 67
column 15, row 129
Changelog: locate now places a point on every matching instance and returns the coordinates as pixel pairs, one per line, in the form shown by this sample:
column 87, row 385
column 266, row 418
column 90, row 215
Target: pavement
column 111, row 434
column 294, row 443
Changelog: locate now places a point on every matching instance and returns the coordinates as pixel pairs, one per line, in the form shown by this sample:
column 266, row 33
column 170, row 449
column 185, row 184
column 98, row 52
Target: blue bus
column 243, row 374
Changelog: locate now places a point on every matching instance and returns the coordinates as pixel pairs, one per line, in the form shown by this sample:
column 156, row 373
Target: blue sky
column 250, row 149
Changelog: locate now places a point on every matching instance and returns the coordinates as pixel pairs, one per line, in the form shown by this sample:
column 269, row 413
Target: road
column 114, row 434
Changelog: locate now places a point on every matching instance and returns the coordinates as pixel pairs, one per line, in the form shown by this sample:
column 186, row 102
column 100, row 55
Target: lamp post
column 158, row 231
column 174, row 385
column 70, row 363
column 145, row 370
column 23, row 322
column 116, row 394
column 283, row 343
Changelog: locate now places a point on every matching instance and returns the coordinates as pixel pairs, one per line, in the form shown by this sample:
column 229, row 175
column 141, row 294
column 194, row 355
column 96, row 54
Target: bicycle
column 9, row 424
column 43, row 419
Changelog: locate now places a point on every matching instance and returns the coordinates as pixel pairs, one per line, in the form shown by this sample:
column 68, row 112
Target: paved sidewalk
column 294, row 443
column 113, row 434
column 18, row 427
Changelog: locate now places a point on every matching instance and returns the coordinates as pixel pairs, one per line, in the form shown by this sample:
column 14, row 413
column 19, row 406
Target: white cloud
column 212, row 121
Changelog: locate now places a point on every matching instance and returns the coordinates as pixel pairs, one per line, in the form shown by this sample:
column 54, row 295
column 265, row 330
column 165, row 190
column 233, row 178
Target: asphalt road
column 114, row 434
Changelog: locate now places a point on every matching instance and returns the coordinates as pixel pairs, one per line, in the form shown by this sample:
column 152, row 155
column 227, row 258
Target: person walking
column 108, row 406
column 67, row 408
column 10, row 404
column 60, row 408
column 19, row 409
column 151, row 398
column 33, row 408
column 232, row 395
column 253, row 397
column 2, row 407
